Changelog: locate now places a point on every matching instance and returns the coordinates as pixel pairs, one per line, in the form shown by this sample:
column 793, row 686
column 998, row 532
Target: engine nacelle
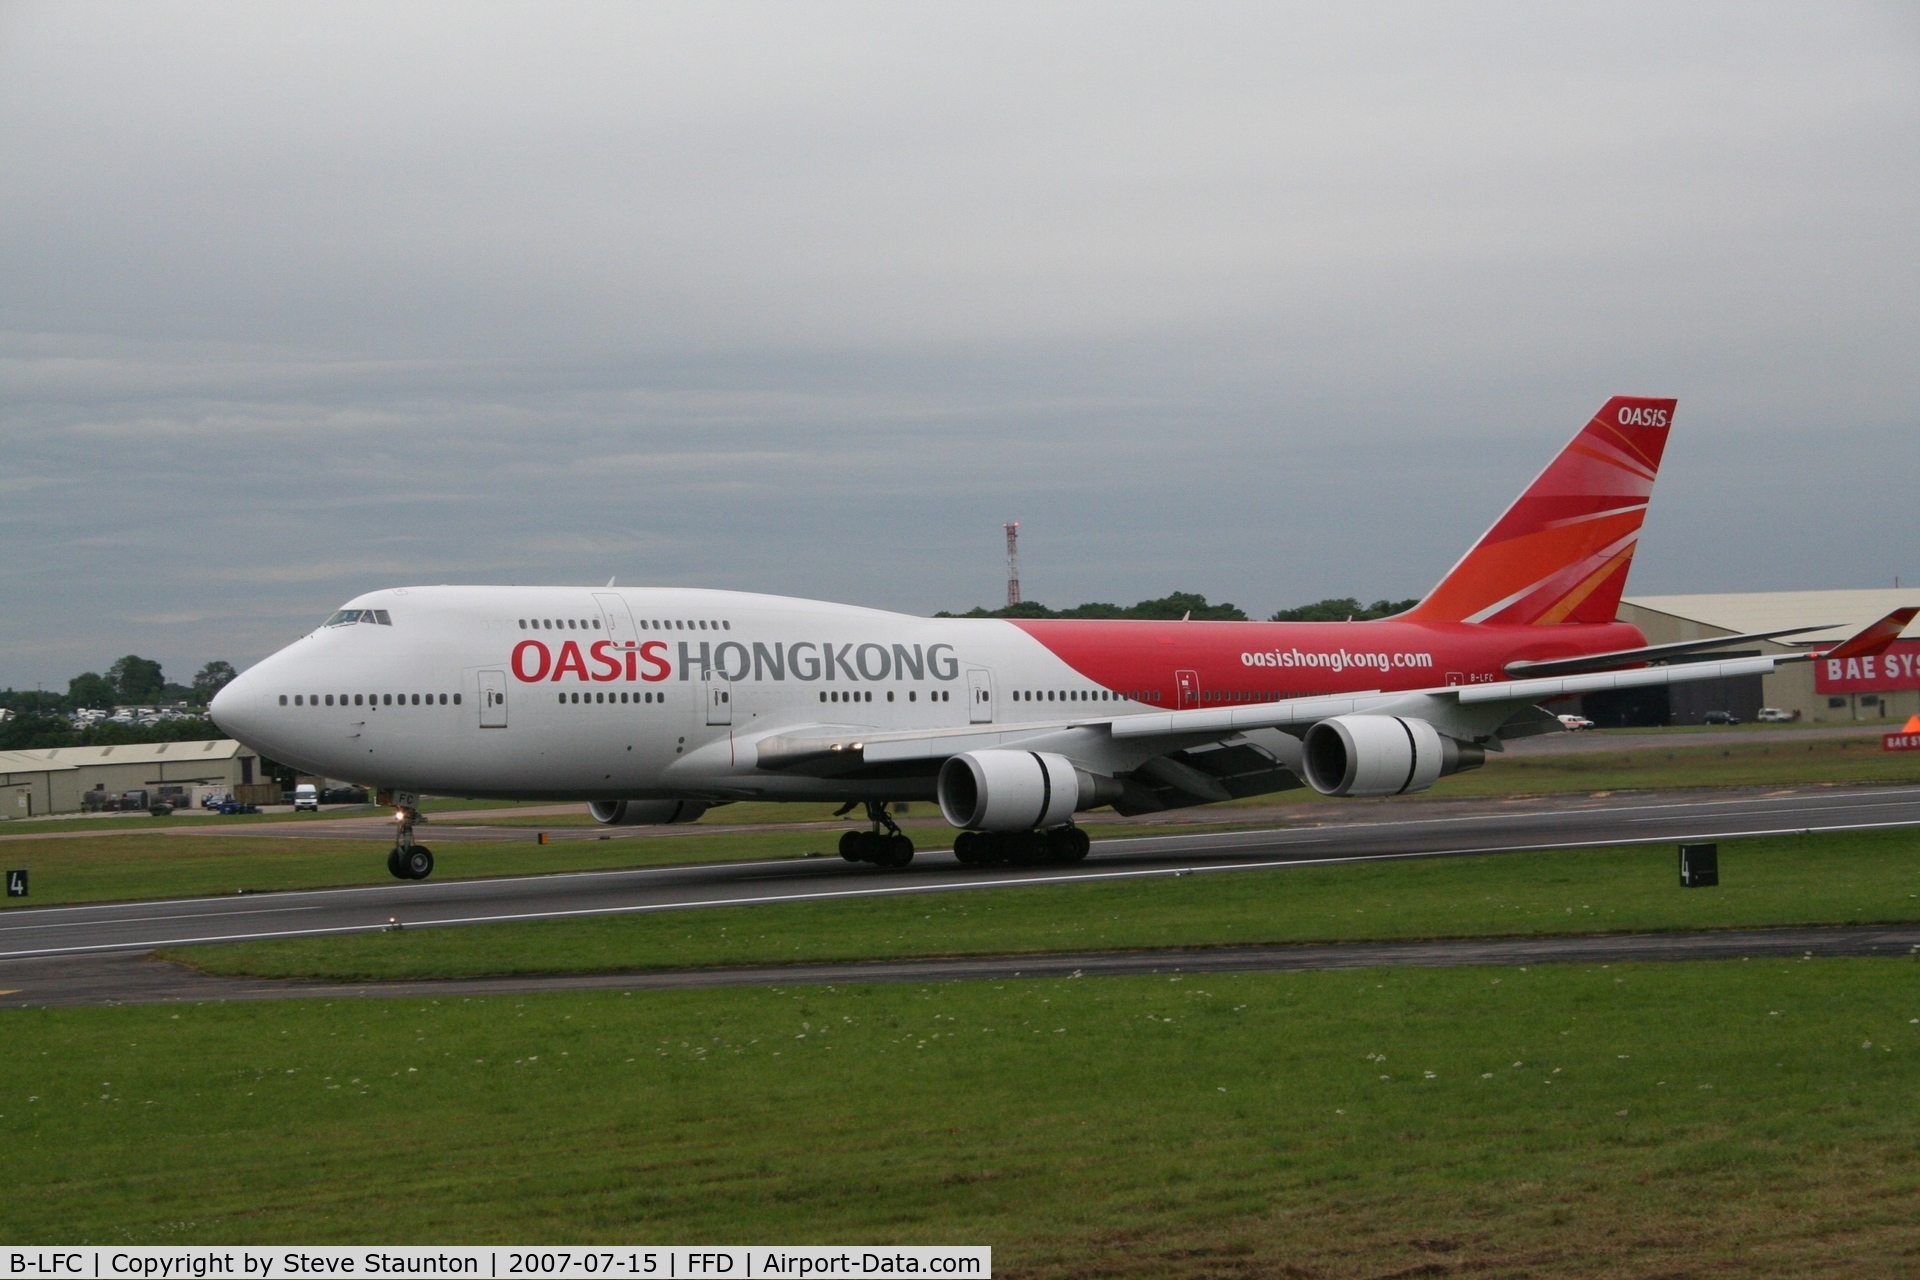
column 1014, row 790
column 645, row 813
column 1381, row 756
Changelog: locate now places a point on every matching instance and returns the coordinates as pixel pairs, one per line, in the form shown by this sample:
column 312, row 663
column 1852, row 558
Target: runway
column 1436, row 830
column 132, row 978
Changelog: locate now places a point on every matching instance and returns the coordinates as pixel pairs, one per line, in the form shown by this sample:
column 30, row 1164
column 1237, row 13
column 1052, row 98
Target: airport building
column 59, row 779
column 1865, row 689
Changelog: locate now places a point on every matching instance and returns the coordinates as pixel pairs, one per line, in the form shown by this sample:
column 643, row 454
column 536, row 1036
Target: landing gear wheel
column 896, row 851
column 393, row 863
column 417, row 863
column 1067, row 844
column 883, row 846
column 966, row 849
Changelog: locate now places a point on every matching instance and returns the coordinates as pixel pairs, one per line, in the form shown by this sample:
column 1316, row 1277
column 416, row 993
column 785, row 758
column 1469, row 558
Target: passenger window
column 563, row 698
column 726, row 626
column 386, row 699
column 299, row 701
column 456, row 699
column 329, row 699
column 283, row 699
column 523, row 624
column 596, row 624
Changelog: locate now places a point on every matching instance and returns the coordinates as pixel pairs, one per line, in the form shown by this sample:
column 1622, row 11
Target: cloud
column 1267, row 302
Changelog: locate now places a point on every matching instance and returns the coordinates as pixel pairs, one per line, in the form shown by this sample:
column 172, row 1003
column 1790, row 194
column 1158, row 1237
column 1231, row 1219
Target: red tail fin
column 1561, row 553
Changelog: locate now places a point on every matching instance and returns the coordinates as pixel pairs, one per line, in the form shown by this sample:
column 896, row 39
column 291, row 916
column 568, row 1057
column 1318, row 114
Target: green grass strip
column 1833, row 878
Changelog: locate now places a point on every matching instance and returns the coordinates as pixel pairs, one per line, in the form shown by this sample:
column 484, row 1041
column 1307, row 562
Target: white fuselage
column 584, row 694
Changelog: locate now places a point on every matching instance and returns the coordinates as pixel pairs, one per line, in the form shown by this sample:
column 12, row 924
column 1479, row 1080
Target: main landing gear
column 885, row 845
column 408, row 861
column 1021, row 848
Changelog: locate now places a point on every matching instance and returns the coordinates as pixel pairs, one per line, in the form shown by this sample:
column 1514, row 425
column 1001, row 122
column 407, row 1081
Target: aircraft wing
column 1468, row 712
column 1648, row 653
column 1471, row 713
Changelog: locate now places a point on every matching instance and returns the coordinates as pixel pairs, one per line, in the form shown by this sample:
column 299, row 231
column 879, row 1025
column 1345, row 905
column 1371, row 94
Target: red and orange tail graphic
column 1877, row 638
column 1561, row 553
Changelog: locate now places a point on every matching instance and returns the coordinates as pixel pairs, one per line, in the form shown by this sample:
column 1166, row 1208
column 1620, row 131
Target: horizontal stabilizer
column 1876, row 638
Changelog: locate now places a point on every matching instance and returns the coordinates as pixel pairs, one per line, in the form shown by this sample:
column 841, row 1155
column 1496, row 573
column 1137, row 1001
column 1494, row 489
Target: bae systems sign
column 803, row 660
column 1896, row 669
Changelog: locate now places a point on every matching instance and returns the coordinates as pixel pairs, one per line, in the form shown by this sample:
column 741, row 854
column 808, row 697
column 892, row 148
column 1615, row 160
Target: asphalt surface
column 1435, row 830
column 134, row 978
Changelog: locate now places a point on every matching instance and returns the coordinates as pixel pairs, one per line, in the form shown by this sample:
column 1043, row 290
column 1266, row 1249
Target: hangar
column 57, row 779
column 1891, row 688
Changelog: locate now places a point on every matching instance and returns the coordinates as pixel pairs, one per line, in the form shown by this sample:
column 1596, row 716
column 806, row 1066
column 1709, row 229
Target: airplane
column 653, row 705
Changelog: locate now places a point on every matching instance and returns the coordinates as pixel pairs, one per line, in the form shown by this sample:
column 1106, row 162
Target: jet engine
column 1381, row 756
column 645, row 813
column 1017, row 790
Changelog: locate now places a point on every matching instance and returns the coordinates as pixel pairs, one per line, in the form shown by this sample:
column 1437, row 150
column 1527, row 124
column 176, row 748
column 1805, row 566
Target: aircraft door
column 1186, row 686
column 979, row 696
column 620, row 628
column 719, row 699
column 493, row 699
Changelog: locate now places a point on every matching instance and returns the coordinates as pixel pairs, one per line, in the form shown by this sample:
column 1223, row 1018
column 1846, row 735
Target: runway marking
column 282, row 895
column 947, row 887
column 9, row 927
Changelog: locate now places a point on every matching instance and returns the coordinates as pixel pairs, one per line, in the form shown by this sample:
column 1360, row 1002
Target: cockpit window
column 344, row 617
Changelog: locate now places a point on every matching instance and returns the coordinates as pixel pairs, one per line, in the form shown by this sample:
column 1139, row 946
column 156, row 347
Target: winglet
column 1876, row 638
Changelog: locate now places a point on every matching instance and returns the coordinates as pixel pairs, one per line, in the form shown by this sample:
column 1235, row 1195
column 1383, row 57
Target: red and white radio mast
column 1013, row 562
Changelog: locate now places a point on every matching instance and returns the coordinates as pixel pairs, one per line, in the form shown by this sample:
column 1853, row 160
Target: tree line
column 43, row 718
column 1187, row 604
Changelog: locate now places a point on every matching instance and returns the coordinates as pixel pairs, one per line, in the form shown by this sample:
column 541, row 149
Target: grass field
column 1739, row 1119
column 1859, row 877
column 1645, row 764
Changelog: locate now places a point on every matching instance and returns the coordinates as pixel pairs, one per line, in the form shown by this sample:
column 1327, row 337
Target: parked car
column 1774, row 715
column 214, row 799
column 306, row 796
column 231, row 807
column 1575, row 723
column 1721, row 717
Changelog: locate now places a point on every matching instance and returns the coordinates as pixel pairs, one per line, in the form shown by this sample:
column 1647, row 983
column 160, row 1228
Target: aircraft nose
column 233, row 709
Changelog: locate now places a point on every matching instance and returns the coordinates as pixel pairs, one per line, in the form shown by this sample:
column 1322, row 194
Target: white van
column 306, row 796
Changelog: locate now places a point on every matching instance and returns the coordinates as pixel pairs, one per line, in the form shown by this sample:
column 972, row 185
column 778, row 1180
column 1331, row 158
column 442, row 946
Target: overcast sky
column 1262, row 302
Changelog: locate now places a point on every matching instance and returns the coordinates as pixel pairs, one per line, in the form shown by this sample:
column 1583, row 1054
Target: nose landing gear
column 408, row 861
column 885, row 845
